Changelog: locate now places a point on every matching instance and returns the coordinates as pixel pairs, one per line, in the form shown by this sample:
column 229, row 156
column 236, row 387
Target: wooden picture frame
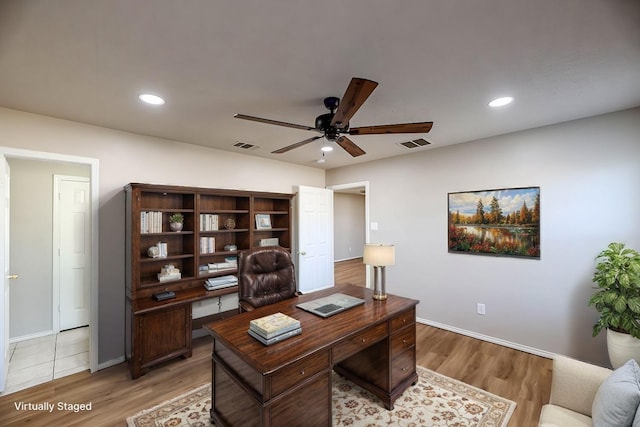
column 500, row 222
column 263, row 222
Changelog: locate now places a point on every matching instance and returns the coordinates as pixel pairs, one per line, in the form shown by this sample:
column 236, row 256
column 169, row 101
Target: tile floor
column 43, row 359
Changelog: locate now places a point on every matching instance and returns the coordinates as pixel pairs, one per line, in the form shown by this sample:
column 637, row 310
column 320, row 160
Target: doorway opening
column 52, row 329
column 355, row 232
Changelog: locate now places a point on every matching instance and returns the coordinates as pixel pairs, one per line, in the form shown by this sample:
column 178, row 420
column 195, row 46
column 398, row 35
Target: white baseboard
column 110, row 363
column 515, row 346
column 31, row 336
column 347, row 259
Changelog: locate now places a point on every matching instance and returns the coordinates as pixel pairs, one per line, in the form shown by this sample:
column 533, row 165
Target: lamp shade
column 379, row 255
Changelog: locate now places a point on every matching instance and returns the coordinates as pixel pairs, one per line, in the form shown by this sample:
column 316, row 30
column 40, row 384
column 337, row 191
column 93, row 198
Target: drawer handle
column 301, row 371
column 404, row 369
column 364, row 340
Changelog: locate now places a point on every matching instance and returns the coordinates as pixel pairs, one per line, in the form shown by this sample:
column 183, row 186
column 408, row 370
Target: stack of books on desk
column 274, row 328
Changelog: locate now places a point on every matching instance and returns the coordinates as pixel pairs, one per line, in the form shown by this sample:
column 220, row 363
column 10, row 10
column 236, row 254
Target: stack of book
column 274, row 328
column 169, row 272
column 221, row 282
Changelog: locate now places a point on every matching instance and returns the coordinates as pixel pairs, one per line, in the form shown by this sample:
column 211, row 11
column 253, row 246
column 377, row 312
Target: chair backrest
column 265, row 275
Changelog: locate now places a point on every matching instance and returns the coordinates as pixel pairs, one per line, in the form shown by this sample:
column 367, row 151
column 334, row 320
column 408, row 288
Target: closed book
column 277, row 338
column 273, row 324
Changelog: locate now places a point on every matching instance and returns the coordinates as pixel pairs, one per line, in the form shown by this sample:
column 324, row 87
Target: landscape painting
column 504, row 222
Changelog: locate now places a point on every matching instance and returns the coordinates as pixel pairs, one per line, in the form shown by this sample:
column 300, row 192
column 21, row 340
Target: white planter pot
column 622, row 347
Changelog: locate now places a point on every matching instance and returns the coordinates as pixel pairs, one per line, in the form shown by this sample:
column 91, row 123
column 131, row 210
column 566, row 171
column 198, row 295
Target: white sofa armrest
column 574, row 384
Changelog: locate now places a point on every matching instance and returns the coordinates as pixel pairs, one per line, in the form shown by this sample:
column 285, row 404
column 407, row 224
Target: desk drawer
column 402, row 366
column 291, row 375
column 402, row 341
column 403, row 319
column 358, row 342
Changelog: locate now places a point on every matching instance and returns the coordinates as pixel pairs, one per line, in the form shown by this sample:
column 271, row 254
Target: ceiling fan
column 334, row 125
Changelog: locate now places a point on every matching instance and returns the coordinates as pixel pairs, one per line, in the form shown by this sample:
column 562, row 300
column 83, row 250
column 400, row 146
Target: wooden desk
column 289, row 383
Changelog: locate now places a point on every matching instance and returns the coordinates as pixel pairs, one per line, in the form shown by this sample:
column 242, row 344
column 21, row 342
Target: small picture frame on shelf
column 263, row 222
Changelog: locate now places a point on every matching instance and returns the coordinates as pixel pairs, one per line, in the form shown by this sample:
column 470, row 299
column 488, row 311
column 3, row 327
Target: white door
column 73, row 225
column 315, row 238
column 4, row 268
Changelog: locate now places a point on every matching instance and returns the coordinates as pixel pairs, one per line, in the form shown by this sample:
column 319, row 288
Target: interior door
column 74, row 223
column 4, row 268
column 314, row 208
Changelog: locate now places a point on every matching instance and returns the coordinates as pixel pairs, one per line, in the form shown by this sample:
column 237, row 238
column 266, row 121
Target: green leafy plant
column 618, row 297
column 176, row 217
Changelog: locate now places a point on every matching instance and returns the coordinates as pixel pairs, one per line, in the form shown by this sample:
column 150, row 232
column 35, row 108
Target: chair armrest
column 574, row 384
column 245, row 306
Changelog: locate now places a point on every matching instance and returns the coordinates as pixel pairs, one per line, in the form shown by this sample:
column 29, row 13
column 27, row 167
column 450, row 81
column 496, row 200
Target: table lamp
column 379, row 256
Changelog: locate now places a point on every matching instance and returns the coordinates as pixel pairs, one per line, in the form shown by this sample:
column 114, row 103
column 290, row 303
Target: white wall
column 588, row 172
column 32, row 243
column 126, row 157
column 348, row 225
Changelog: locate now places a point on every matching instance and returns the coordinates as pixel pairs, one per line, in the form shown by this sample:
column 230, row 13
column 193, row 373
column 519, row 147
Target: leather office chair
column 265, row 275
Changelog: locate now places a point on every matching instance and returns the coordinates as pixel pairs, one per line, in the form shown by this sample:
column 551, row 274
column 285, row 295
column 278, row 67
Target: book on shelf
column 274, row 241
column 221, row 266
column 207, row 245
column 273, row 325
column 168, row 273
column 163, row 250
column 221, row 282
column 208, row 222
column 275, row 339
column 150, row 222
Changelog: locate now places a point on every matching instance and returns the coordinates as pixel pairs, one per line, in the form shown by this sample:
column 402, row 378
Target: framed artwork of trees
column 502, row 222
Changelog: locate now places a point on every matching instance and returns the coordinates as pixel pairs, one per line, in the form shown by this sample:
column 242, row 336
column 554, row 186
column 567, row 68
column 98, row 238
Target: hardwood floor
column 350, row 271
column 515, row 375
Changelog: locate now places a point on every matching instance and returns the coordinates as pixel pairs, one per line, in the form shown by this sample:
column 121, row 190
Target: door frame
column 93, row 163
column 351, row 186
column 57, row 179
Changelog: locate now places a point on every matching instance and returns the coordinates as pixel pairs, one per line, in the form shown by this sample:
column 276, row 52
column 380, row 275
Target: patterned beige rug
column 434, row 401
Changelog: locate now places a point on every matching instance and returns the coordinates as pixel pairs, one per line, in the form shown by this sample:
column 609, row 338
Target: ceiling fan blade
column 350, row 147
column 296, row 145
column 356, row 94
column 421, row 127
column 272, row 122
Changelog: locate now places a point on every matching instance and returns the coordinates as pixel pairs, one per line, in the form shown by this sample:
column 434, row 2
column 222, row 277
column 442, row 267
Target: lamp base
column 379, row 287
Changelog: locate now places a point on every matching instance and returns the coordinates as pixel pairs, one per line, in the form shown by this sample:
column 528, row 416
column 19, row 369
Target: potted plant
column 175, row 221
column 618, row 301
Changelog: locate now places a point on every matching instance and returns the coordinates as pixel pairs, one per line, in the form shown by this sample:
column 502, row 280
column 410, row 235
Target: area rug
column 434, row 401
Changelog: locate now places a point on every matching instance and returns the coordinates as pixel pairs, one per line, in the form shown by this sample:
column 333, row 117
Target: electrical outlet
column 480, row 308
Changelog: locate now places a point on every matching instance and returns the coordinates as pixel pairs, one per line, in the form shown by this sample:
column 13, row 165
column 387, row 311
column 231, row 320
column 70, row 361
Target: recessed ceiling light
column 151, row 99
column 500, row 102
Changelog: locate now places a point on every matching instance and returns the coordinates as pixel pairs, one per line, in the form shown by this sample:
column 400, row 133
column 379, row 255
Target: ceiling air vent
column 245, row 145
column 416, row 143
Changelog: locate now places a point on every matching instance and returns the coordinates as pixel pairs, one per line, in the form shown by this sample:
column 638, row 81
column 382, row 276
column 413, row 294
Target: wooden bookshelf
column 218, row 224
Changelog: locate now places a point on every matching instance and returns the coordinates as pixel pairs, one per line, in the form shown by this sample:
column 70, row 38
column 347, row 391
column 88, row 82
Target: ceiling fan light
column 150, row 98
column 327, row 148
column 501, row 102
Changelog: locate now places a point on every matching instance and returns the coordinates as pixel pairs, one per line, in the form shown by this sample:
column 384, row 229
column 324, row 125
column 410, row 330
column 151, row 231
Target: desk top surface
column 317, row 333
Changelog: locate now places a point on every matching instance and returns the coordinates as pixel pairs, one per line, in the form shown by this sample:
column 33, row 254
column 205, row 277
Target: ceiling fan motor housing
column 323, row 124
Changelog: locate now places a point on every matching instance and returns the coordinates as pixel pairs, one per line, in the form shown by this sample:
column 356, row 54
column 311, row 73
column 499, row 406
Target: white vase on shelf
column 175, row 226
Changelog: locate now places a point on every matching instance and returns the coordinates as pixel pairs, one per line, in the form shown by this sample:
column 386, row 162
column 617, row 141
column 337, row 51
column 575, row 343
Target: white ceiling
column 434, row 60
